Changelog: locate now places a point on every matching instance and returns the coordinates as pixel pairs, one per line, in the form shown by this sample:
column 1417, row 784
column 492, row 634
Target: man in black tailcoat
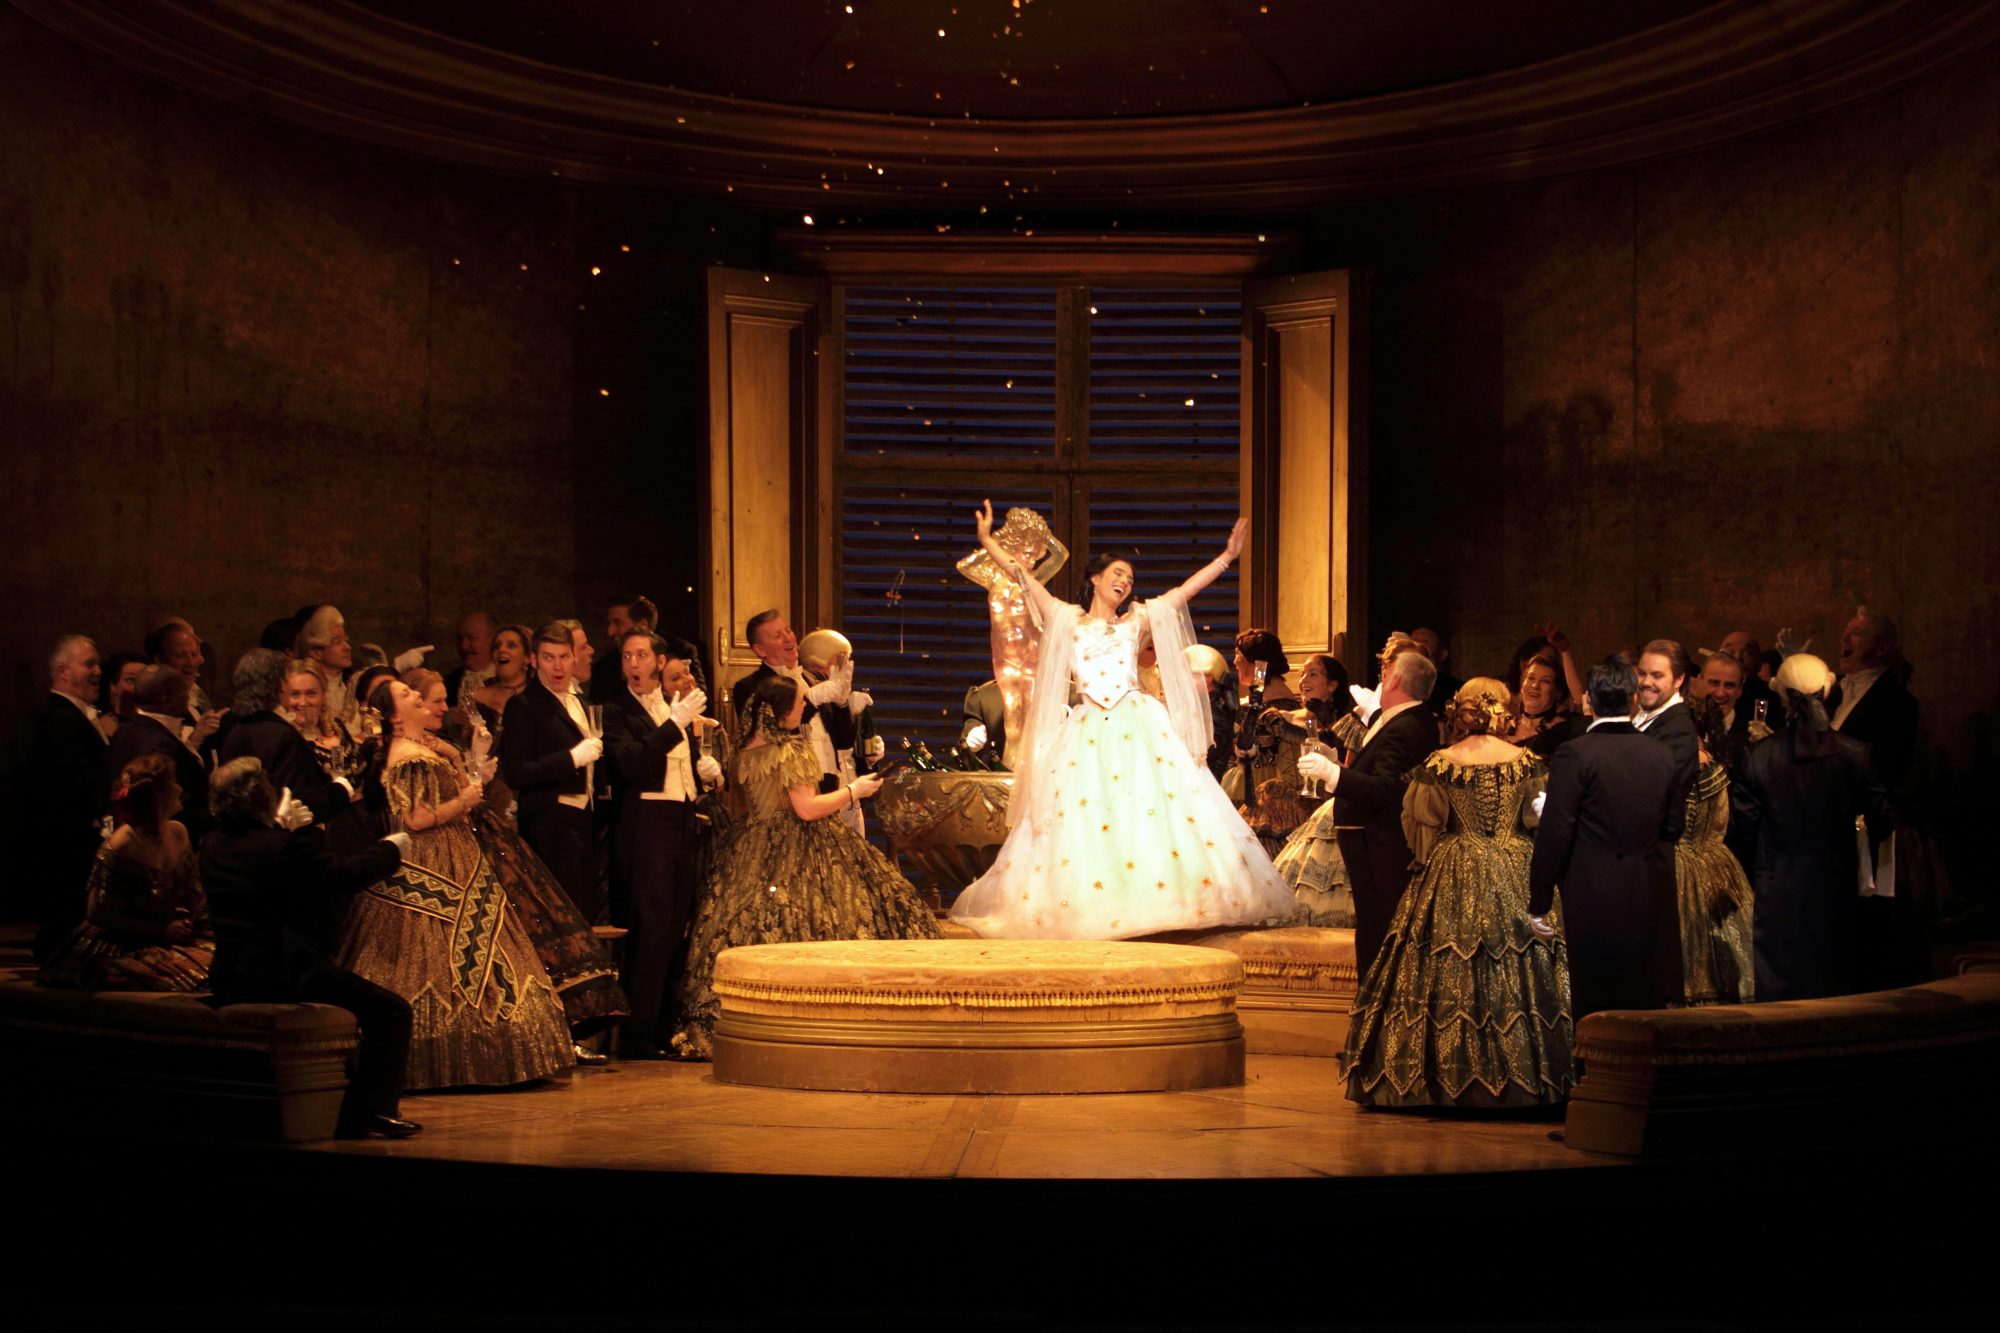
column 273, row 894
column 160, row 702
column 255, row 728
column 827, row 722
column 548, row 756
column 1872, row 703
column 651, row 739
column 68, row 782
column 1662, row 713
column 984, row 726
column 1614, row 809
column 1368, row 797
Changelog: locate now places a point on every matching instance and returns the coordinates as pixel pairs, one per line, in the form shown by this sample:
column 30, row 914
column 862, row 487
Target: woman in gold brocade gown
column 440, row 932
column 1464, row 1007
column 790, row 873
column 147, row 927
column 1717, row 962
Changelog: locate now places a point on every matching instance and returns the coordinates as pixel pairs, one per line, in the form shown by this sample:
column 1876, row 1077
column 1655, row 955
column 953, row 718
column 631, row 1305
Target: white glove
column 401, row 841
column 688, row 707
column 975, row 737
column 708, row 768
column 1541, row 799
column 832, row 690
column 347, row 787
column 1318, row 768
column 873, row 749
column 484, row 768
column 293, row 813
column 1787, row 645
column 411, row 658
column 1365, row 699
column 586, row 751
column 859, row 701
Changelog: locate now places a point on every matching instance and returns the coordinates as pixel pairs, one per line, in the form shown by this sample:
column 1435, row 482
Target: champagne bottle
column 956, row 760
column 918, row 758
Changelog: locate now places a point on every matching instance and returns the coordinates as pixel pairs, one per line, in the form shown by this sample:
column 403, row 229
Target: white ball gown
column 1118, row 829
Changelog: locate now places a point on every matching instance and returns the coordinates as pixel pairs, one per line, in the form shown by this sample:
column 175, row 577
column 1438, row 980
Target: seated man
column 274, row 895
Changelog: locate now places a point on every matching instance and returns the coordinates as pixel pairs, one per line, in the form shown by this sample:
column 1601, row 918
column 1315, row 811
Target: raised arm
column 1212, row 571
column 1038, row 596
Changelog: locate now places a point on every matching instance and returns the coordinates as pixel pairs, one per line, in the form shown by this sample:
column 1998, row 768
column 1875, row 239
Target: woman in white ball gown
column 1116, row 827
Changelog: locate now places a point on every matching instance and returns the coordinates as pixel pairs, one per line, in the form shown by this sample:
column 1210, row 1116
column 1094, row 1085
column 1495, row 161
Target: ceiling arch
column 765, row 115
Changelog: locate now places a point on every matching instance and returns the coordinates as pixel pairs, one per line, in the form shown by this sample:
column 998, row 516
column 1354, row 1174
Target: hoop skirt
column 785, row 880
column 1718, row 963
column 442, row 934
column 1125, row 833
column 1464, row 1007
column 1310, row 863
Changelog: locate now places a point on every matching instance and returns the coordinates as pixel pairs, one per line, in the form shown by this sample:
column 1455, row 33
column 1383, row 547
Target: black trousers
column 562, row 836
column 654, row 861
column 1378, row 863
column 375, row 1079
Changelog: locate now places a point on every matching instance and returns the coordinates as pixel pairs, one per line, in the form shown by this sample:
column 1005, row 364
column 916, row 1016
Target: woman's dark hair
column 141, row 790
column 367, row 681
column 1547, row 657
column 381, row 701
column 1530, row 648
column 1100, row 562
column 117, row 663
column 1261, row 645
column 1710, row 729
column 1338, row 704
column 773, row 694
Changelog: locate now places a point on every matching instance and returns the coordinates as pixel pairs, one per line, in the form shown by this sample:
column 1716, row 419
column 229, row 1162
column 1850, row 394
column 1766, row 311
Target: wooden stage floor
column 1289, row 1120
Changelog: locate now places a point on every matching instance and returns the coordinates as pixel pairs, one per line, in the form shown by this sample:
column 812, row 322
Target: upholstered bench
column 966, row 1016
column 1797, row 1073
column 129, row 1060
column 1298, row 987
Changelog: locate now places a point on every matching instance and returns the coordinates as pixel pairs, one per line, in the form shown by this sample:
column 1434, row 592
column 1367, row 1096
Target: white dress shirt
column 1381, row 719
column 574, row 707
column 177, row 725
column 679, row 784
column 1853, row 686
column 1645, row 718
column 87, row 710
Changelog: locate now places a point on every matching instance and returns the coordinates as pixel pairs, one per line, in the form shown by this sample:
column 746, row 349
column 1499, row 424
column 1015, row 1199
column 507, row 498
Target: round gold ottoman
column 961, row 1016
column 1298, row 987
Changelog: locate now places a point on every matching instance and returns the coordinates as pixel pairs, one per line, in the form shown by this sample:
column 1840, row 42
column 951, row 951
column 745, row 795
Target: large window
column 1115, row 412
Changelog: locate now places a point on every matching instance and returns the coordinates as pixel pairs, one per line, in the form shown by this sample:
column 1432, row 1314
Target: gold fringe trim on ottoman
column 950, row 1016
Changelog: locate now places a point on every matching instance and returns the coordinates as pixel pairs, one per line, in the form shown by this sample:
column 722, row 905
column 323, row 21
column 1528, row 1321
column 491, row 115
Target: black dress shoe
column 586, row 1056
column 643, row 1053
column 381, row 1126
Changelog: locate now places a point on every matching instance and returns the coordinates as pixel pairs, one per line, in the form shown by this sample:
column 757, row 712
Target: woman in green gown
column 790, row 873
column 1464, row 1007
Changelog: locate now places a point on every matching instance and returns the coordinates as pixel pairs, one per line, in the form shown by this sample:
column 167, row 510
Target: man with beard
column 1614, row 807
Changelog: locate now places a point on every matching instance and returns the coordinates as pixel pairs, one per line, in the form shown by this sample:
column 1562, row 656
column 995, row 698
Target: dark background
column 244, row 367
